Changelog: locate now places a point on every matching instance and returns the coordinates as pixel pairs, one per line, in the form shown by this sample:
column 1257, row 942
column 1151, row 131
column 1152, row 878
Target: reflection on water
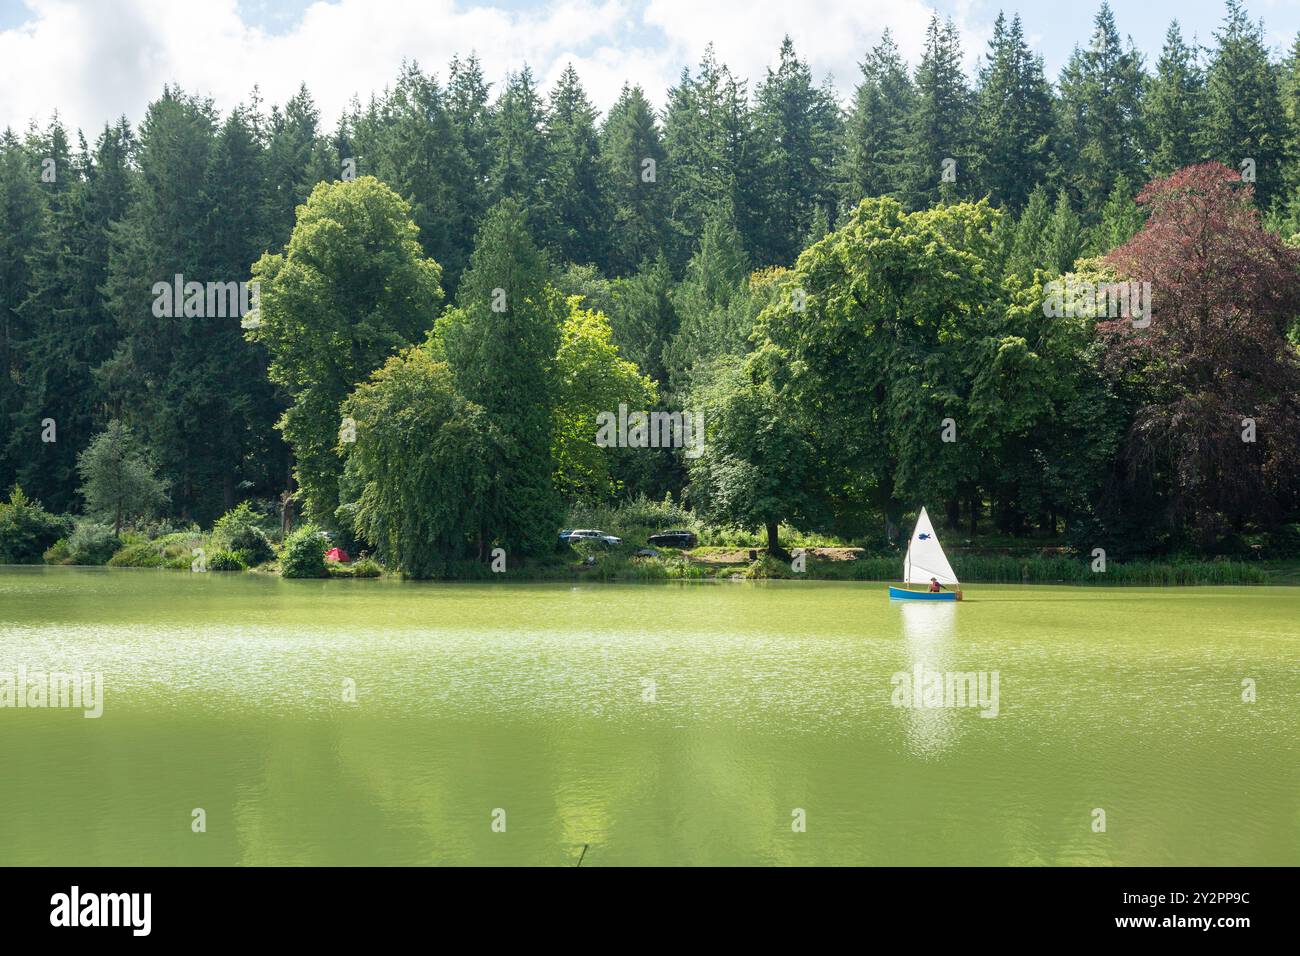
column 658, row 724
column 928, row 641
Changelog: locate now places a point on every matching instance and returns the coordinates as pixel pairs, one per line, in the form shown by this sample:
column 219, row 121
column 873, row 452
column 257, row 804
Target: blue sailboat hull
column 903, row 594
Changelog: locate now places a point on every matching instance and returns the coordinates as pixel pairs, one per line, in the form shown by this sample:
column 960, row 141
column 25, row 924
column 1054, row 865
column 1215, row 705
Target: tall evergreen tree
column 1174, row 108
column 1245, row 122
column 1121, row 218
column 796, row 129
column 941, row 121
column 298, row 157
column 1099, row 116
column 1029, row 242
column 168, row 376
column 1014, row 120
column 707, row 135
column 579, row 216
column 419, row 155
column 501, row 341
column 873, row 155
column 632, row 157
column 519, row 147
column 71, row 328
column 1064, row 238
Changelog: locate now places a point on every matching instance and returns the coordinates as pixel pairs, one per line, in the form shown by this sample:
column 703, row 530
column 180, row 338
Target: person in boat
column 935, row 586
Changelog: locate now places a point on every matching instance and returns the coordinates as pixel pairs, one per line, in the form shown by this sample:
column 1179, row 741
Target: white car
column 596, row 537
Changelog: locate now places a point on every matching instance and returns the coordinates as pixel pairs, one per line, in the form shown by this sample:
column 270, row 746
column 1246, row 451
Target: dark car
column 672, row 539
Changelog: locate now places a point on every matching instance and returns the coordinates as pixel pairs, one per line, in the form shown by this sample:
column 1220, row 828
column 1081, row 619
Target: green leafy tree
column 26, row 529
column 352, row 287
column 423, row 464
column 593, row 378
column 757, row 469
column 119, row 483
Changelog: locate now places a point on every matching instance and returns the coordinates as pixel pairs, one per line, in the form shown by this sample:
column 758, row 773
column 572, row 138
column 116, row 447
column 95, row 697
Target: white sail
column 925, row 558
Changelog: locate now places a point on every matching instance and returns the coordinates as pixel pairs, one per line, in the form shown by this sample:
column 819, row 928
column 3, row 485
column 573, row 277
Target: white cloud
column 97, row 59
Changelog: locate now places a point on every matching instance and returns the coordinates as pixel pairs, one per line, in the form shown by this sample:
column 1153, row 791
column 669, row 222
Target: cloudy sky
column 97, row 59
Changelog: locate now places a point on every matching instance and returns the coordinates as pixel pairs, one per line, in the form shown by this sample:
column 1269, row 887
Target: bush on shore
column 239, row 531
column 304, row 554
column 27, row 529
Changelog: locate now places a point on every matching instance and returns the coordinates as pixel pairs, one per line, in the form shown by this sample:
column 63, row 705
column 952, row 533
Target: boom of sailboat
column 927, row 575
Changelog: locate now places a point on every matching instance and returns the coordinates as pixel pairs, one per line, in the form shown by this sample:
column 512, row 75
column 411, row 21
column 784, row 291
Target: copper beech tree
column 1215, row 379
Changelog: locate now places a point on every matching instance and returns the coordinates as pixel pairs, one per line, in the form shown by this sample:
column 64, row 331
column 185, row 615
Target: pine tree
column 417, row 153
column 298, row 157
column 1121, row 218
column 1014, row 118
column 44, row 318
column 632, row 157
column 579, row 213
column 1174, row 108
column 519, row 149
column 711, row 302
column 796, row 129
column 1099, row 116
column 939, row 140
column 1245, row 122
column 1028, row 249
column 167, row 374
column 707, row 135
column 873, row 159
column 1064, row 238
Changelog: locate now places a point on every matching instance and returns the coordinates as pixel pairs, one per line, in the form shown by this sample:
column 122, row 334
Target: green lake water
column 654, row 724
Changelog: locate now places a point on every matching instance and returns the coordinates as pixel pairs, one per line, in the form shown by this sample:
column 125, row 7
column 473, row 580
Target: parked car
column 593, row 537
column 673, row 539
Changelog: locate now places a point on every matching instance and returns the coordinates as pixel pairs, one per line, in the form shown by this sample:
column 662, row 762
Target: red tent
column 337, row 554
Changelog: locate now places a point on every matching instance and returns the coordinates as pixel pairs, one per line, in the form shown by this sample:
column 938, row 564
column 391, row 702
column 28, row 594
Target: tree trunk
column 773, row 541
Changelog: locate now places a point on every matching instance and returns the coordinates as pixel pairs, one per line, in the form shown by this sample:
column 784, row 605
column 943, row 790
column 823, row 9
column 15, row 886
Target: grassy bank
column 246, row 539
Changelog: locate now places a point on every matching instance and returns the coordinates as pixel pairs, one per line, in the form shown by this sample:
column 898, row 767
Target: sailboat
column 925, row 560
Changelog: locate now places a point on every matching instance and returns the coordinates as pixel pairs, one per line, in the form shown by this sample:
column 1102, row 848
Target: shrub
column 226, row 561
column 173, row 550
column 58, row 553
column 238, row 530
column 26, row 529
column 367, row 568
column 304, row 554
column 91, row 543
